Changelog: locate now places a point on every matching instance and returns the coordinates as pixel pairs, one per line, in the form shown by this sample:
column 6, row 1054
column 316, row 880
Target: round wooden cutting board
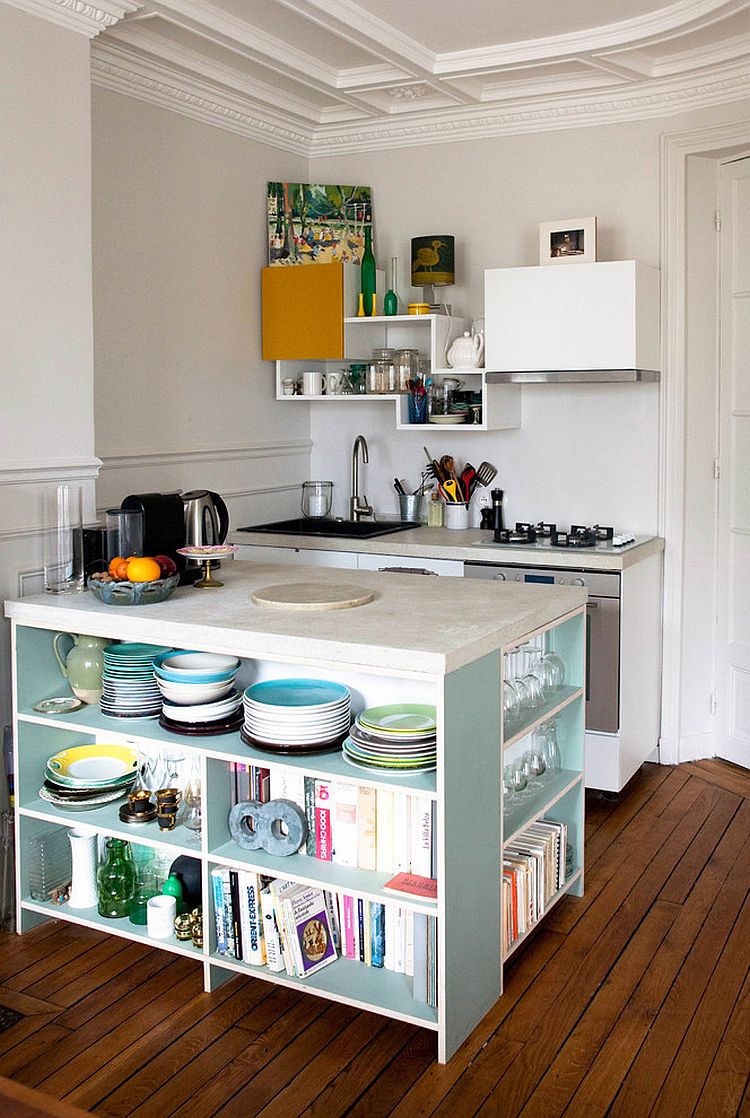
column 310, row 596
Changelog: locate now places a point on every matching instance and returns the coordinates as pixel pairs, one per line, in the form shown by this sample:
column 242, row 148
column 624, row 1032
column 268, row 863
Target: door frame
column 717, row 142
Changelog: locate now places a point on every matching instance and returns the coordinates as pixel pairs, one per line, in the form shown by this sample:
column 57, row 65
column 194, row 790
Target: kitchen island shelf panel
column 518, row 816
column 90, row 918
column 371, row 988
column 457, row 668
column 574, row 880
column 307, row 870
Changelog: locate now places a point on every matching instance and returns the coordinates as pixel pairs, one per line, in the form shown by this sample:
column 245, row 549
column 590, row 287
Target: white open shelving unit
column 432, row 335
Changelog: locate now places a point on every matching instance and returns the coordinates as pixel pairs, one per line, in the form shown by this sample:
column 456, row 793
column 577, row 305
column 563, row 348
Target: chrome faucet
column 358, row 506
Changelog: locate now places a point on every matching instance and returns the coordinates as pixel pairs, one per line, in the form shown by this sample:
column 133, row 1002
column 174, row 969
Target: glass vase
column 390, row 300
column 116, row 880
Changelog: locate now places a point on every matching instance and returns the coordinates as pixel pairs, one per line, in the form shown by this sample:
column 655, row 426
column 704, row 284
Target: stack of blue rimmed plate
column 129, row 688
column 88, row 776
column 401, row 737
column 198, row 693
column 296, row 715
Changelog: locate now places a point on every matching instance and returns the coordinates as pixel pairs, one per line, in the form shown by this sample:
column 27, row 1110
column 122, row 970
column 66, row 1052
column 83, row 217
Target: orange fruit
column 113, row 564
column 120, row 569
column 143, row 569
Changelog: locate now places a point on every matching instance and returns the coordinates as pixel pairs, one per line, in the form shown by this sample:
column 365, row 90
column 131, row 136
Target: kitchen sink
column 334, row 529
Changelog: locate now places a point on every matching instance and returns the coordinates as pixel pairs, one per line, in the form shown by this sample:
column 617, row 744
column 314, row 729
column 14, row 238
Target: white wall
column 587, row 453
column 46, row 368
column 183, row 398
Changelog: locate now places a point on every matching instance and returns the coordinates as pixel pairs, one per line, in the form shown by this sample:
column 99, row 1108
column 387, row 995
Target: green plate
column 400, row 718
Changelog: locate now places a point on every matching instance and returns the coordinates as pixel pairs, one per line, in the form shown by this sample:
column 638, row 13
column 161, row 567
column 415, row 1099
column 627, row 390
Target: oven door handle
column 592, row 605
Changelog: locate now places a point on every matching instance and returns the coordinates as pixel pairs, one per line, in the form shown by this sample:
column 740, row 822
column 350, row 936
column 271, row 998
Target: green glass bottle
column 367, row 279
column 172, row 887
column 390, row 299
column 115, row 880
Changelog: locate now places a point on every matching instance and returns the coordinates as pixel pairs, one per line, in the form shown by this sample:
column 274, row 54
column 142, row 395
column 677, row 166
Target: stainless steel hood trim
column 572, row 376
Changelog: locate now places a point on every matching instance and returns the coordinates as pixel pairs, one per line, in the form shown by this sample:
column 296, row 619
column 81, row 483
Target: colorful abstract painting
column 313, row 224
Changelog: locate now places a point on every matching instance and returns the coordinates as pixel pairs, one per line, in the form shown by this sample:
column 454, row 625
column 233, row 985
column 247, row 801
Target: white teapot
column 466, row 352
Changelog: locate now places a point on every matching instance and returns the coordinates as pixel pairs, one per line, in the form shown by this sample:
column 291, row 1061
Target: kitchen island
column 435, row 642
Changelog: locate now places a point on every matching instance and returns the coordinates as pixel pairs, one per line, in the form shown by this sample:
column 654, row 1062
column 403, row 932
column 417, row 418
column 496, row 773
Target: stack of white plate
column 129, row 687
column 296, row 715
column 89, row 776
column 198, row 695
column 401, row 737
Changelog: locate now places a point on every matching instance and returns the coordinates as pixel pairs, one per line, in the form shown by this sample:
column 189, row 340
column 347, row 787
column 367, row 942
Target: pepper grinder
column 497, row 509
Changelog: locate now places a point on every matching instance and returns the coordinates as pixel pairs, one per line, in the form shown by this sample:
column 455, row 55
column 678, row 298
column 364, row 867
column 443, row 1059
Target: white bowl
column 202, row 711
column 187, row 663
column 186, row 694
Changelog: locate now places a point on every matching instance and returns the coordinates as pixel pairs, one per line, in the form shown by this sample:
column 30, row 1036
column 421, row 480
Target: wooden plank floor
column 633, row 1000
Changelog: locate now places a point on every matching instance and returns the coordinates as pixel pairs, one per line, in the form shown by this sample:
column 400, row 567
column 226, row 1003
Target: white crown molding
column 149, row 81
column 158, row 459
column 76, row 15
column 43, row 470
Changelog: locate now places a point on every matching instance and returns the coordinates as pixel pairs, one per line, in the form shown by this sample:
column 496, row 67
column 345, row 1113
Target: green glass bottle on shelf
column 115, row 880
column 172, row 887
column 390, row 299
column 367, row 279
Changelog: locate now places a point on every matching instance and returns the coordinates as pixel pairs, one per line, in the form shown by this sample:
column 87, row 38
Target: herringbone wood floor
column 632, row 1001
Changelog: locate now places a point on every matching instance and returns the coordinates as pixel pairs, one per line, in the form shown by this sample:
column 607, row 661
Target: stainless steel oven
column 602, row 631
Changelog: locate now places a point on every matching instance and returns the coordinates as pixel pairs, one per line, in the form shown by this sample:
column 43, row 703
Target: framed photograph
column 568, row 242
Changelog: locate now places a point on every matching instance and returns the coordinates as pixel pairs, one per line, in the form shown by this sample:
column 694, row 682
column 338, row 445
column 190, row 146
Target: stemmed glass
column 534, row 766
column 514, row 779
column 546, row 741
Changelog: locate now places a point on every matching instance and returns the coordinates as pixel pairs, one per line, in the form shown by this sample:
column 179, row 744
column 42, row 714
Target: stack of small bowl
column 198, row 693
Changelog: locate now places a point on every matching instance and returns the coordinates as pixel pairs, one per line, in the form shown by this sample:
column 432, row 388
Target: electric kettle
column 206, row 518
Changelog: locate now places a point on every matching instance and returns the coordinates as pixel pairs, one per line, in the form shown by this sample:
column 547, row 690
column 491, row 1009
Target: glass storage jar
column 380, row 377
column 407, row 367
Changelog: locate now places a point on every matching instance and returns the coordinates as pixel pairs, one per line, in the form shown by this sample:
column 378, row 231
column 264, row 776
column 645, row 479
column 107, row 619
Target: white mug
column 333, row 382
column 312, row 382
column 160, row 913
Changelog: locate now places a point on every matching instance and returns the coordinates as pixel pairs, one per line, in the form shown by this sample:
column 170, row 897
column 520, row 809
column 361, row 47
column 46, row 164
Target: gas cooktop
column 578, row 537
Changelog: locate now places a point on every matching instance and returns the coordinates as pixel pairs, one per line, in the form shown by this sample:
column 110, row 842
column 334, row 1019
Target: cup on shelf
column 160, row 913
column 334, row 382
column 312, row 382
column 288, row 386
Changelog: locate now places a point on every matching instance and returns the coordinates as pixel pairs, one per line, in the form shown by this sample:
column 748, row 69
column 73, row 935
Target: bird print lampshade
column 433, row 261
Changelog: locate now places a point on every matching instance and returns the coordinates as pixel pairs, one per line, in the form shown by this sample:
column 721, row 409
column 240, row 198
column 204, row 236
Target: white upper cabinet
column 586, row 322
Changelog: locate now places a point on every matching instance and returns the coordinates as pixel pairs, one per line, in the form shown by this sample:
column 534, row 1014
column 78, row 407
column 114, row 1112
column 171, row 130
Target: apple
column 167, row 565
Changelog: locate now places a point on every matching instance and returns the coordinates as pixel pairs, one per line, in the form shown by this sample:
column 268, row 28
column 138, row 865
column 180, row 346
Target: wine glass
column 534, row 766
column 515, row 779
column 555, row 669
column 546, row 741
column 192, row 800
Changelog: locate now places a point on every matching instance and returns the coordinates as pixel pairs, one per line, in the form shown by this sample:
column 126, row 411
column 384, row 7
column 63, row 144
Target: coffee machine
column 163, row 527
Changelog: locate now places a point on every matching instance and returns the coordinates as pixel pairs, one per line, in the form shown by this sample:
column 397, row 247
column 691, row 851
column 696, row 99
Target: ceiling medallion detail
column 408, row 92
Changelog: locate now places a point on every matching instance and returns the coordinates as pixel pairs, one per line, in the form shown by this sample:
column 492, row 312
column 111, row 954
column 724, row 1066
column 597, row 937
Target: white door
column 733, row 599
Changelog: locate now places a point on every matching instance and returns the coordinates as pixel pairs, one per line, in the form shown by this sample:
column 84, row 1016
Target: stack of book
column 533, row 872
column 298, row 928
column 353, row 825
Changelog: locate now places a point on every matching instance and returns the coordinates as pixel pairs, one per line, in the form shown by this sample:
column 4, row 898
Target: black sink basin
column 335, row 529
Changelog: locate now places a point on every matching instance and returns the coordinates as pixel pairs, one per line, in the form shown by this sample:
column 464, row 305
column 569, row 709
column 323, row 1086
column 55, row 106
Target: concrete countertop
column 472, row 545
column 419, row 625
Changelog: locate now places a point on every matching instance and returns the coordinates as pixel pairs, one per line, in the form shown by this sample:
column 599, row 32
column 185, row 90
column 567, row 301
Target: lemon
column 143, row 569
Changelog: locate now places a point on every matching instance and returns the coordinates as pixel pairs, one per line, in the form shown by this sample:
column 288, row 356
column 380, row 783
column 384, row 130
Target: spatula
column 486, row 472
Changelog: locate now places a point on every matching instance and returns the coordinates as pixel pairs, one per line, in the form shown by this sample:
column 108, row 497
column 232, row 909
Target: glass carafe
column 115, row 880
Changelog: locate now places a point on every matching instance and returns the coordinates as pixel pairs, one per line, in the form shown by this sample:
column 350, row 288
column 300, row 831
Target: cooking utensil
column 448, row 466
column 434, row 469
column 467, row 479
column 486, row 472
column 451, row 490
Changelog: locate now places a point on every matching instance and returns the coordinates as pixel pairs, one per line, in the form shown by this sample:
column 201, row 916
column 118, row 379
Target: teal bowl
column 133, row 593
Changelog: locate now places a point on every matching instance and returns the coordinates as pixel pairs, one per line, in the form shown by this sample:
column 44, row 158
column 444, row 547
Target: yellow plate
column 94, row 762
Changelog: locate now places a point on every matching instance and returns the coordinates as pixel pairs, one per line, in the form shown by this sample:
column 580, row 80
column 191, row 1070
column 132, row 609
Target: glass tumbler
column 62, row 526
column 124, row 529
column 317, row 498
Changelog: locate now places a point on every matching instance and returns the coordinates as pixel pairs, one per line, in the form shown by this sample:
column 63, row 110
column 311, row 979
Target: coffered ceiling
column 321, row 76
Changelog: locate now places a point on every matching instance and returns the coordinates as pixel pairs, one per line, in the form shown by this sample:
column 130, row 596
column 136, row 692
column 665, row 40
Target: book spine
column 323, row 842
column 384, row 836
column 348, row 926
column 234, row 894
column 399, row 941
column 252, row 932
column 344, row 825
column 367, row 828
column 218, row 894
column 377, row 924
column 331, row 904
column 401, row 828
column 226, row 886
column 271, row 937
column 367, row 932
column 421, row 836
column 419, row 981
column 288, row 784
column 310, row 815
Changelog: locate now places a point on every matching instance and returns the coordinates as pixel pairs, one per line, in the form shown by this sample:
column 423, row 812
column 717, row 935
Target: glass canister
column 115, row 880
column 49, row 863
column 380, row 377
column 385, row 371
column 407, row 367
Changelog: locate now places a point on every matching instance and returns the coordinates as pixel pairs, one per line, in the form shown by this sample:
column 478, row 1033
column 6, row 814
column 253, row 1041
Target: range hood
column 572, row 376
column 573, row 323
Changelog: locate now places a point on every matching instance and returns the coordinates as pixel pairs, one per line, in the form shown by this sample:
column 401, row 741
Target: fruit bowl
column 132, row 593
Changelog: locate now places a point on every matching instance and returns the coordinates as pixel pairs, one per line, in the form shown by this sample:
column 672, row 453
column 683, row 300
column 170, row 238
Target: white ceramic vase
column 84, row 850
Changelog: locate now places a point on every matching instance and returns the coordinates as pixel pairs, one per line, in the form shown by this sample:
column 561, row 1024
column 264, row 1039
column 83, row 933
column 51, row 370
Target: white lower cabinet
column 368, row 562
column 471, row 824
column 296, row 556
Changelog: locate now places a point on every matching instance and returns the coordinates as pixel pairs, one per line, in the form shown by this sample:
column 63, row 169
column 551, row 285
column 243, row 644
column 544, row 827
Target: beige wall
column 182, row 396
